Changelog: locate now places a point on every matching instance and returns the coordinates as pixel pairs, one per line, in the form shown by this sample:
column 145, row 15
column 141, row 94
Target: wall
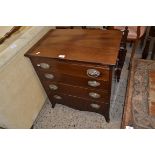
column 21, row 94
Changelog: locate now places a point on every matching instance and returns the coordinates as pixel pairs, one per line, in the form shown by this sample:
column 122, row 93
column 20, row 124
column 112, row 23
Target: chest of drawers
column 75, row 67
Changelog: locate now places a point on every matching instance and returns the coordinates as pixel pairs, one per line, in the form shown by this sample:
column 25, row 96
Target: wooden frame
column 127, row 119
column 134, row 41
column 7, row 35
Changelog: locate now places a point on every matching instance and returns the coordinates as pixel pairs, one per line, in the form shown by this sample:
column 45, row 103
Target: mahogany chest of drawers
column 75, row 67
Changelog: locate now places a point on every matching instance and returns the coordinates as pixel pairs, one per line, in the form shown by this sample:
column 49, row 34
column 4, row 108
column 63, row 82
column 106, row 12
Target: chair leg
column 142, row 40
column 134, row 49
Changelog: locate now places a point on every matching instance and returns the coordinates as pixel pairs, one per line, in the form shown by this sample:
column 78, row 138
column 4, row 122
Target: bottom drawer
column 80, row 104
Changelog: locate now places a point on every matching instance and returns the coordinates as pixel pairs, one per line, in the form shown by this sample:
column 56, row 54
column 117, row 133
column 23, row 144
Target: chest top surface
column 92, row 46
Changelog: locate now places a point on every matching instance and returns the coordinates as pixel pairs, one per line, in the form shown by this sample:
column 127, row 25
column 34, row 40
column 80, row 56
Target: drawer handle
column 96, row 106
column 94, row 95
column 93, row 73
column 49, row 76
column 53, row 87
column 44, row 65
column 93, row 83
column 57, row 97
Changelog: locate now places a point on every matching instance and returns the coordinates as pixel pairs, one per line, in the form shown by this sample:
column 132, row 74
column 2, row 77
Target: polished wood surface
column 74, row 80
column 81, row 104
column 64, row 61
column 95, row 46
column 70, row 68
column 81, row 92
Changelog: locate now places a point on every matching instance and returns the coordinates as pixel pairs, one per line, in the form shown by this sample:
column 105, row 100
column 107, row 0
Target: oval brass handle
column 44, row 65
column 93, row 73
column 57, row 97
column 53, row 87
column 96, row 106
column 93, row 83
column 49, row 76
column 94, row 95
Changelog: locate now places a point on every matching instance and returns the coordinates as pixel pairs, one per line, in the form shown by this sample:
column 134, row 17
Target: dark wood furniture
column 134, row 35
column 149, row 39
column 76, row 67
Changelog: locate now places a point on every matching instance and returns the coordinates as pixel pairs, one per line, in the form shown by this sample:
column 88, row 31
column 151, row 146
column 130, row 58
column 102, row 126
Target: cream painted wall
column 21, row 93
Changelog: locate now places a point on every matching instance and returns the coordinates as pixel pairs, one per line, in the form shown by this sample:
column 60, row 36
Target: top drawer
column 76, row 69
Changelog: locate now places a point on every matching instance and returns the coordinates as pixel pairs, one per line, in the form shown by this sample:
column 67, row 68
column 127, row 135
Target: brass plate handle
column 49, row 76
column 44, row 65
column 93, row 83
column 94, row 95
column 57, row 97
column 93, row 73
column 53, row 87
column 96, row 106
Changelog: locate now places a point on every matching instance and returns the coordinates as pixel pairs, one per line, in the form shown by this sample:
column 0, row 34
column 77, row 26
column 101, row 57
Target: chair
column 122, row 54
column 134, row 35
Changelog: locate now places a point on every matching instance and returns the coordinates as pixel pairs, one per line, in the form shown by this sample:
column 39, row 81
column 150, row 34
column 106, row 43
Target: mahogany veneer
column 75, row 67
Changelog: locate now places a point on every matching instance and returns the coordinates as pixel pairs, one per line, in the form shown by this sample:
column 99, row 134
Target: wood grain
column 127, row 119
column 81, row 104
column 94, row 46
column 71, row 68
column 82, row 50
column 81, row 92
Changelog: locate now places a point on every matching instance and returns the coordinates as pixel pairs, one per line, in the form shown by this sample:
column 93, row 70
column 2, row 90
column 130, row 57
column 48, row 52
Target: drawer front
column 73, row 80
column 63, row 67
column 79, row 103
column 91, row 94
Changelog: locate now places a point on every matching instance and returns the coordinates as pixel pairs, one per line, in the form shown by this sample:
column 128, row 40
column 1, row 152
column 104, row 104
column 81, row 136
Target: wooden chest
column 75, row 67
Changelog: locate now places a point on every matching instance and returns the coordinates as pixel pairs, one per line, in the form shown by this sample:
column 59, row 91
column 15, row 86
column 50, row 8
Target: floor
column 62, row 117
column 140, row 94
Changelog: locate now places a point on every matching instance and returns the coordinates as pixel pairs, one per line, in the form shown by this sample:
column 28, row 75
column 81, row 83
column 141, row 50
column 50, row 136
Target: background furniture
column 122, row 53
column 134, row 35
column 76, row 67
column 150, row 43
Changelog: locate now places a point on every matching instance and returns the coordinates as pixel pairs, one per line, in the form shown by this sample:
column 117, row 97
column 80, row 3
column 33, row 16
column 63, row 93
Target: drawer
column 79, row 103
column 69, row 68
column 91, row 94
column 74, row 80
